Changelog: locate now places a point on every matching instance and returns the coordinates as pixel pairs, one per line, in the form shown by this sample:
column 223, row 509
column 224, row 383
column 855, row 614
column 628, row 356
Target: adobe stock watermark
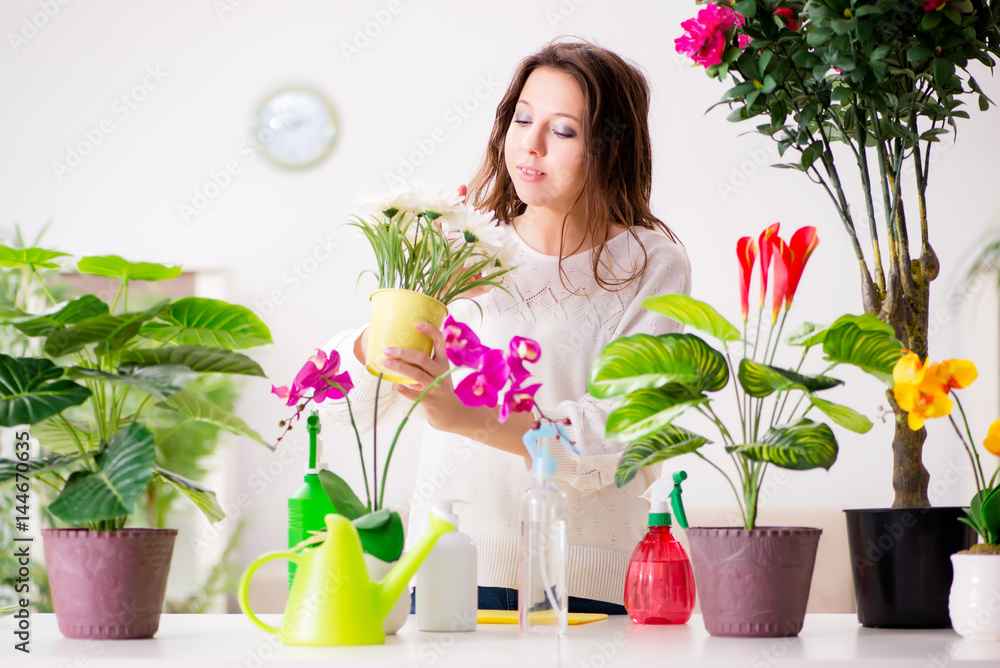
column 225, row 7
column 219, row 179
column 605, row 652
column 453, row 117
column 379, row 20
column 121, row 108
column 430, row 651
column 562, row 12
column 296, row 275
column 33, row 24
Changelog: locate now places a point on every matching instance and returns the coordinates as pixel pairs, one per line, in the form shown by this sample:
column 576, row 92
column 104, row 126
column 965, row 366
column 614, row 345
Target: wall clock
column 295, row 127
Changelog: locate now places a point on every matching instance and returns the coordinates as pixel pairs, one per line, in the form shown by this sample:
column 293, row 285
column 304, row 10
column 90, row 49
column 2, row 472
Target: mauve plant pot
column 901, row 562
column 753, row 583
column 108, row 584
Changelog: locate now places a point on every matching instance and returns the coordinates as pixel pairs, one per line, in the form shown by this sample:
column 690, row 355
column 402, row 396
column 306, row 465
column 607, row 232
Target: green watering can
column 332, row 601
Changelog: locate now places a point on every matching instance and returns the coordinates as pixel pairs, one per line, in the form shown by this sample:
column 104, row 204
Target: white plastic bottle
column 447, row 589
column 543, row 547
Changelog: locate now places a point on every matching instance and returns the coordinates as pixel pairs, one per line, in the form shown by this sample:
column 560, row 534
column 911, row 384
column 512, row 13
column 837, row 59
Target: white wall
column 218, row 61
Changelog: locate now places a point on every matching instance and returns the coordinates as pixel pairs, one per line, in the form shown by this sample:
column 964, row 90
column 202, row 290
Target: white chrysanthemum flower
column 374, row 206
column 468, row 225
column 419, row 197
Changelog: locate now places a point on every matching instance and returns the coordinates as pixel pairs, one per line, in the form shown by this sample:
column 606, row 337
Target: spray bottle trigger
column 675, row 500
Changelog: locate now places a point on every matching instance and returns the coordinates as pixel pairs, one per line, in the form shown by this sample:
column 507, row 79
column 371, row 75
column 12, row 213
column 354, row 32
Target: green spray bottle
column 310, row 504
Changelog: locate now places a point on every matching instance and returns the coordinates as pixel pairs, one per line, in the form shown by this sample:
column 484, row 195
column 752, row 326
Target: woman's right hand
column 361, row 347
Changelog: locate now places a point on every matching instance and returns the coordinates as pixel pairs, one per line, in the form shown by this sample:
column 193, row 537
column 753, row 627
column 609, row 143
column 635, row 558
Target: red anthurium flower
column 462, row 346
column 782, row 260
column 522, row 350
column 518, row 399
column 319, row 374
column 765, row 257
column 746, row 250
column 788, row 17
column 482, row 387
column 801, row 246
column 931, row 5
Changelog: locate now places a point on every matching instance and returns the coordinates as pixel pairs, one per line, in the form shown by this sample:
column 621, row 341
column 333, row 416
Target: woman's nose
column 533, row 141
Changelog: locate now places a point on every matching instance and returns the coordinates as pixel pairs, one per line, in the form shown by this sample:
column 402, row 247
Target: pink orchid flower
column 482, row 387
column 462, row 346
column 319, row 374
column 704, row 39
column 522, row 350
column 518, row 399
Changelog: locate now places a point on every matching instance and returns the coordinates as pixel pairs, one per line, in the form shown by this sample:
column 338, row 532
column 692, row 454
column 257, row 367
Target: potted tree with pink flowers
column 752, row 580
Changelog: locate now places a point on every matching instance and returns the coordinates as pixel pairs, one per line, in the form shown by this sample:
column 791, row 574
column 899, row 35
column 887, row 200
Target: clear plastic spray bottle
column 543, row 547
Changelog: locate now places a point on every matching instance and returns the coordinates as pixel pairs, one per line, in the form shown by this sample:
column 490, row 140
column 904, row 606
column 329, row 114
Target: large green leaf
column 124, row 468
column 760, row 380
column 162, row 381
column 984, row 510
column 344, row 500
column 670, row 442
column 644, row 412
column 209, row 322
column 112, row 266
column 801, row 446
column 8, row 467
column 810, row 334
column 202, row 497
column 871, row 350
column 64, row 313
column 111, row 331
column 200, row 410
column 31, row 390
column 693, row 313
column 381, row 534
column 196, row 358
column 846, row 417
column 641, row 362
column 53, row 435
column 39, row 258
column 9, row 312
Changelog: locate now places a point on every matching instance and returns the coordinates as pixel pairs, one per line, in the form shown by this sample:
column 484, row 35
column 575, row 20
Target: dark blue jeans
column 503, row 598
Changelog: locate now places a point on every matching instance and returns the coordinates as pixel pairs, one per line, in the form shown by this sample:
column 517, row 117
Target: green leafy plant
column 876, row 83
column 660, row 378
column 102, row 371
column 432, row 243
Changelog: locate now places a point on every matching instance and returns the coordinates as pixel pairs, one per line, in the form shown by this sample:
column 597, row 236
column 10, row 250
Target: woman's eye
column 522, row 121
column 564, row 133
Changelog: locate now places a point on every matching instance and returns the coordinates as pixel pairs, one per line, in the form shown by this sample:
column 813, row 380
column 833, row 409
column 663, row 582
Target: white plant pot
column 378, row 569
column 974, row 602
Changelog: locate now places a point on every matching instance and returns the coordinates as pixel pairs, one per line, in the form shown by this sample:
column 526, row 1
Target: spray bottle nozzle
column 313, row 427
column 675, row 499
column 543, row 463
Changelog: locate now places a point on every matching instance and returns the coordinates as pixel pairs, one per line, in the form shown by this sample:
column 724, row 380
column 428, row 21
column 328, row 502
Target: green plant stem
column 969, row 447
column 866, row 186
column 739, row 501
column 736, row 391
column 41, row 283
column 357, row 436
column 378, row 502
column 399, row 429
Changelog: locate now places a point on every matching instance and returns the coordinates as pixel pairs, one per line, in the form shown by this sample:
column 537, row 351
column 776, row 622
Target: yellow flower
column 955, row 373
column 908, row 368
column 920, row 391
column 992, row 440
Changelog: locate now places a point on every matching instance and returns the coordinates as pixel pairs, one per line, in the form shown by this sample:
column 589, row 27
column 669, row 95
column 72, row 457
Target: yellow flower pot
column 394, row 313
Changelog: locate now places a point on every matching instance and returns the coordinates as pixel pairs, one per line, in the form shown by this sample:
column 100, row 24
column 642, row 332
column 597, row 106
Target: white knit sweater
column 573, row 326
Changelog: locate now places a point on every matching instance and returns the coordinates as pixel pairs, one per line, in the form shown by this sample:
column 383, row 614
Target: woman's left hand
column 442, row 408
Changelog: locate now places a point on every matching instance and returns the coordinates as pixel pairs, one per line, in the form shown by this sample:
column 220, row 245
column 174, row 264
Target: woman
column 568, row 172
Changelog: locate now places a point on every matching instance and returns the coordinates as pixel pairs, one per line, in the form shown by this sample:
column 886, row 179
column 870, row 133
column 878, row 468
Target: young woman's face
column 544, row 147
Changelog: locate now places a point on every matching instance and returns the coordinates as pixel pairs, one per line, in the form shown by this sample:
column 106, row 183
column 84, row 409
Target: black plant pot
column 901, row 561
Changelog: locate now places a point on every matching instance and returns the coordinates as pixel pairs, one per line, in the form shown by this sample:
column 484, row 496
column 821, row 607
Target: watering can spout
column 392, row 586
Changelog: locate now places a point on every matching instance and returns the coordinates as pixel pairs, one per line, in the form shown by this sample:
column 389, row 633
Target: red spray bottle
column 659, row 585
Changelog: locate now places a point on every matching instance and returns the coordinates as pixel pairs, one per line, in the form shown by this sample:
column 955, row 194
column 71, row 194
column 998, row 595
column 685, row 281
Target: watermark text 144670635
column 22, row 542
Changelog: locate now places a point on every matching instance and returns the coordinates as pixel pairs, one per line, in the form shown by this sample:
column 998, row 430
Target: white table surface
column 188, row 641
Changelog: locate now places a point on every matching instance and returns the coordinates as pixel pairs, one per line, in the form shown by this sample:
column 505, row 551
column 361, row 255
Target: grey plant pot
column 753, row 583
column 108, row 584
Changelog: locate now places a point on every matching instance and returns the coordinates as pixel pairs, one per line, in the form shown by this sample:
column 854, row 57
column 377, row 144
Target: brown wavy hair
column 618, row 156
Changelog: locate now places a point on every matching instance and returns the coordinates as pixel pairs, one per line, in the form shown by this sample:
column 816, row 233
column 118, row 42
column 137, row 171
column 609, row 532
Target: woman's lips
column 530, row 175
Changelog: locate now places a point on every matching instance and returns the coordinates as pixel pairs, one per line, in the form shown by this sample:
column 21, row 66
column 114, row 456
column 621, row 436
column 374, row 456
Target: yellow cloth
column 510, row 617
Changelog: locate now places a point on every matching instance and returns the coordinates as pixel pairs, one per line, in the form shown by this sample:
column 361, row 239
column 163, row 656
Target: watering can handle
column 245, row 585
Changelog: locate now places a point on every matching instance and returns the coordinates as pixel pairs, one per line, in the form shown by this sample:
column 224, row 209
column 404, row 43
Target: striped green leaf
column 112, row 332
column 642, row 362
column 670, row 442
column 874, row 351
column 112, row 266
column 32, row 389
column 124, row 468
column 644, row 412
column 35, row 466
column 846, row 417
column 162, row 381
column 196, row 358
column 39, row 258
column 811, row 335
column 760, row 380
column 200, row 410
column 693, row 313
column 53, row 435
column 202, row 497
column 208, row 322
column 802, row 446
column 64, row 313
